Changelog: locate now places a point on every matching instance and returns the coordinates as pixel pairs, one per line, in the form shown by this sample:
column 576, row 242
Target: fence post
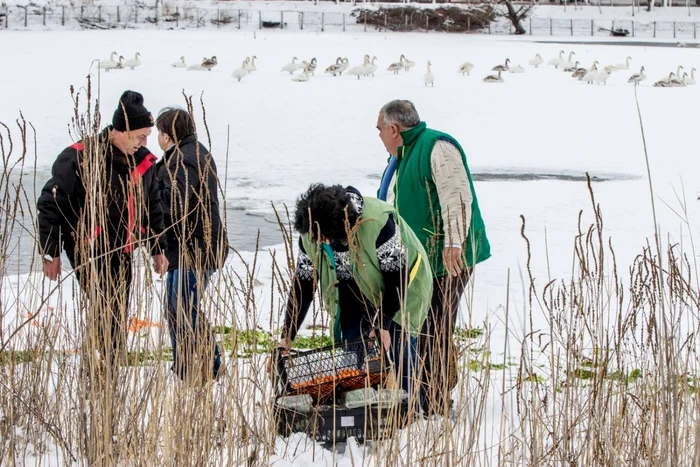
column 281, row 19
column 44, row 16
column 592, row 32
column 427, row 23
column 530, row 24
column 177, row 17
column 385, row 21
column 489, row 27
column 218, row 17
column 323, row 21
column 550, row 26
column 99, row 13
column 7, row 17
column 572, row 27
column 674, row 29
column 196, row 16
column 136, row 15
column 156, row 13
column 343, row 22
column 119, row 17
column 654, row 27
column 81, row 11
column 63, row 15
column 239, row 18
column 695, row 36
column 469, row 23
column 301, row 21
column 259, row 19
column 25, row 16
column 365, row 21
column 633, row 22
column 613, row 25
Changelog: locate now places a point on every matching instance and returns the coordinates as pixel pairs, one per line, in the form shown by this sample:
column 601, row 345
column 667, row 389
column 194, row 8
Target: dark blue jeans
column 402, row 352
column 190, row 332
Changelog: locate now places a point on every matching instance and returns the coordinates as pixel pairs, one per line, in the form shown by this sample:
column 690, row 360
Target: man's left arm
column 455, row 196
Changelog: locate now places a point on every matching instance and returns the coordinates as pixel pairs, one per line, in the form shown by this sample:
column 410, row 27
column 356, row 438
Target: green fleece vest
column 416, row 199
column 367, row 273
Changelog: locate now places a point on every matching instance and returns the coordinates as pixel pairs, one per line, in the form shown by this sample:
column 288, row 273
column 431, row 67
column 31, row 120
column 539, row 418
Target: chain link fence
column 168, row 17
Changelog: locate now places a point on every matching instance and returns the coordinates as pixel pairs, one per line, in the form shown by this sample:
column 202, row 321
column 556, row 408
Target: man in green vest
column 428, row 182
column 369, row 267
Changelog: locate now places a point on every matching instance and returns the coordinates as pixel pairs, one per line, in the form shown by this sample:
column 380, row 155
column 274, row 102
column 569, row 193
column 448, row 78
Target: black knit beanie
column 131, row 110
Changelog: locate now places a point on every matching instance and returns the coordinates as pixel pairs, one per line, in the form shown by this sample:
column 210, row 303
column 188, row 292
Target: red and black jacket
column 126, row 186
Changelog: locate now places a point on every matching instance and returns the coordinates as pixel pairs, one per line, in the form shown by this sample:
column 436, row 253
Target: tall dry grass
column 611, row 381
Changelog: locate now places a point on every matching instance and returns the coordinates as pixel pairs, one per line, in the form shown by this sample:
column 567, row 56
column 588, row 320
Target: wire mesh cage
column 321, row 372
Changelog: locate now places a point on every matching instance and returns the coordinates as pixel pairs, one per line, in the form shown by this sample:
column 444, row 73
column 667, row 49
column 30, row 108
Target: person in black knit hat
column 101, row 202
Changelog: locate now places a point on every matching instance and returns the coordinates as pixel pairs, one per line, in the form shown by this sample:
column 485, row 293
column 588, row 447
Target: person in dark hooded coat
column 197, row 240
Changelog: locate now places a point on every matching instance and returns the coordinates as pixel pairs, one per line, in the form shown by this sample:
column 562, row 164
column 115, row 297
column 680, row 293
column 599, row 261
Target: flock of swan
column 120, row 64
column 592, row 75
column 587, row 75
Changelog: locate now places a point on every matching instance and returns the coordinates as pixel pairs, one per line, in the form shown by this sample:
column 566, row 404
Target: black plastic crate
column 332, row 424
column 322, row 372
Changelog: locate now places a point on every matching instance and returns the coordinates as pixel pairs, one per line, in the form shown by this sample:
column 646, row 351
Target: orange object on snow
column 135, row 324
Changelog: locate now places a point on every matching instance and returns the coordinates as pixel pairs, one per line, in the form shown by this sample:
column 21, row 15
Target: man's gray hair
column 400, row 112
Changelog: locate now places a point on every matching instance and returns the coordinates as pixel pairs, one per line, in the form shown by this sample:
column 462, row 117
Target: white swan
column 334, row 69
column 691, row 79
column 371, row 67
column 107, row 65
column 198, row 66
column 250, row 64
column 396, row 66
column 502, row 67
column 637, row 77
column 603, row 76
column 292, row 66
column 241, row 72
column 408, row 64
column 557, row 61
column 465, row 67
column 344, row 66
column 622, row 66
column 568, row 63
column 537, row 61
column 429, row 77
column 493, row 78
column 516, row 69
column 312, row 66
column 360, row 70
column 132, row 62
column 303, row 76
column 179, row 64
column 590, row 76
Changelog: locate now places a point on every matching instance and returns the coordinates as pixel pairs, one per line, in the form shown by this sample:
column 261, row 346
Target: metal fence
column 166, row 17
column 594, row 27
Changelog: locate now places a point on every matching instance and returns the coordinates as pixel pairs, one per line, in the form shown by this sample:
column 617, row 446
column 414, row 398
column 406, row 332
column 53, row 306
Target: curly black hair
column 327, row 207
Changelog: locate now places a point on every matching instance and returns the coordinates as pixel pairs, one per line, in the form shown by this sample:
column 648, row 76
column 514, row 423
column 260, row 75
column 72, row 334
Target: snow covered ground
column 285, row 135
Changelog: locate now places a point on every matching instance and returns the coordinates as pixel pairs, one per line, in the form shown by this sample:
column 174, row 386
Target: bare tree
column 516, row 16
